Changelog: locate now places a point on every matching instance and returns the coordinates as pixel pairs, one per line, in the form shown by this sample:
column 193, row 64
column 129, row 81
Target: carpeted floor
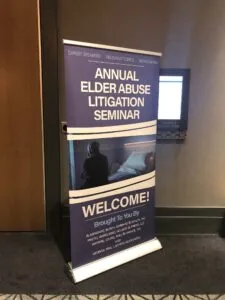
column 31, row 264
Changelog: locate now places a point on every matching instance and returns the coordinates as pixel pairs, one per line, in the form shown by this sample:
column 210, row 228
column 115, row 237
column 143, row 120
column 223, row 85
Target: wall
column 126, row 23
column 192, row 174
column 189, row 35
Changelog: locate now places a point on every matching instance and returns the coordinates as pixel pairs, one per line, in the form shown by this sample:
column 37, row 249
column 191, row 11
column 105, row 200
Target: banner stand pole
column 97, row 267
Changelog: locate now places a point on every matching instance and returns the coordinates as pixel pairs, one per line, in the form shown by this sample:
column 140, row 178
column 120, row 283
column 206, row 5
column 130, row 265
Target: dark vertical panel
column 49, row 39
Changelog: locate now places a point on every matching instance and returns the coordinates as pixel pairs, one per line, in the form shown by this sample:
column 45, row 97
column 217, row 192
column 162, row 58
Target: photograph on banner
column 97, row 162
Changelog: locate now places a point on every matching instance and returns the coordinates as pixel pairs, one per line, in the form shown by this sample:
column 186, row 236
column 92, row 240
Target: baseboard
column 190, row 221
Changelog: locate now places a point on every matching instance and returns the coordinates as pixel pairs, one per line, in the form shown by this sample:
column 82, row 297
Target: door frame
column 51, row 114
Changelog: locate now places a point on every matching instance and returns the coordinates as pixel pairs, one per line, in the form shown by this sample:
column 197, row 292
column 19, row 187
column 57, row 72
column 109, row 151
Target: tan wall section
column 192, row 174
column 21, row 143
column 127, row 23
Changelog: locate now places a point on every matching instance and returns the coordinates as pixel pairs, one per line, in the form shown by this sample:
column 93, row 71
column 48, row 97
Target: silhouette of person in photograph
column 95, row 168
column 150, row 162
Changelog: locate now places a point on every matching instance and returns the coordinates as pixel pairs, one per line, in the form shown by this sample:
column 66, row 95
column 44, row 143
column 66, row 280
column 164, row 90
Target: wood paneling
column 21, row 155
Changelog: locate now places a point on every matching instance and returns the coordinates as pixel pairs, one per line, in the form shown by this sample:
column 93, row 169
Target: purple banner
column 111, row 112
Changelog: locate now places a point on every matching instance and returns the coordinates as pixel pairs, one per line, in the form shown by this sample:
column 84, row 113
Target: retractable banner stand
column 111, row 98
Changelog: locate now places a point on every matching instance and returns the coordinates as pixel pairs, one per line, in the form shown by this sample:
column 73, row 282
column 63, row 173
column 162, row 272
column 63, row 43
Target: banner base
column 94, row 268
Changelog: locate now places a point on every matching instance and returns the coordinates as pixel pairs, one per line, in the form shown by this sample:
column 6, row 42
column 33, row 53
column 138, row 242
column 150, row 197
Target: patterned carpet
column 111, row 297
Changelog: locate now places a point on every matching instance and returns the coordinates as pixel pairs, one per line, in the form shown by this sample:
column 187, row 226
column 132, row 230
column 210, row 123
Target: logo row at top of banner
column 105, row 86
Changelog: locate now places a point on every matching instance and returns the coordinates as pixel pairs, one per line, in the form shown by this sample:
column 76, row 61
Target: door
column 21, row 142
